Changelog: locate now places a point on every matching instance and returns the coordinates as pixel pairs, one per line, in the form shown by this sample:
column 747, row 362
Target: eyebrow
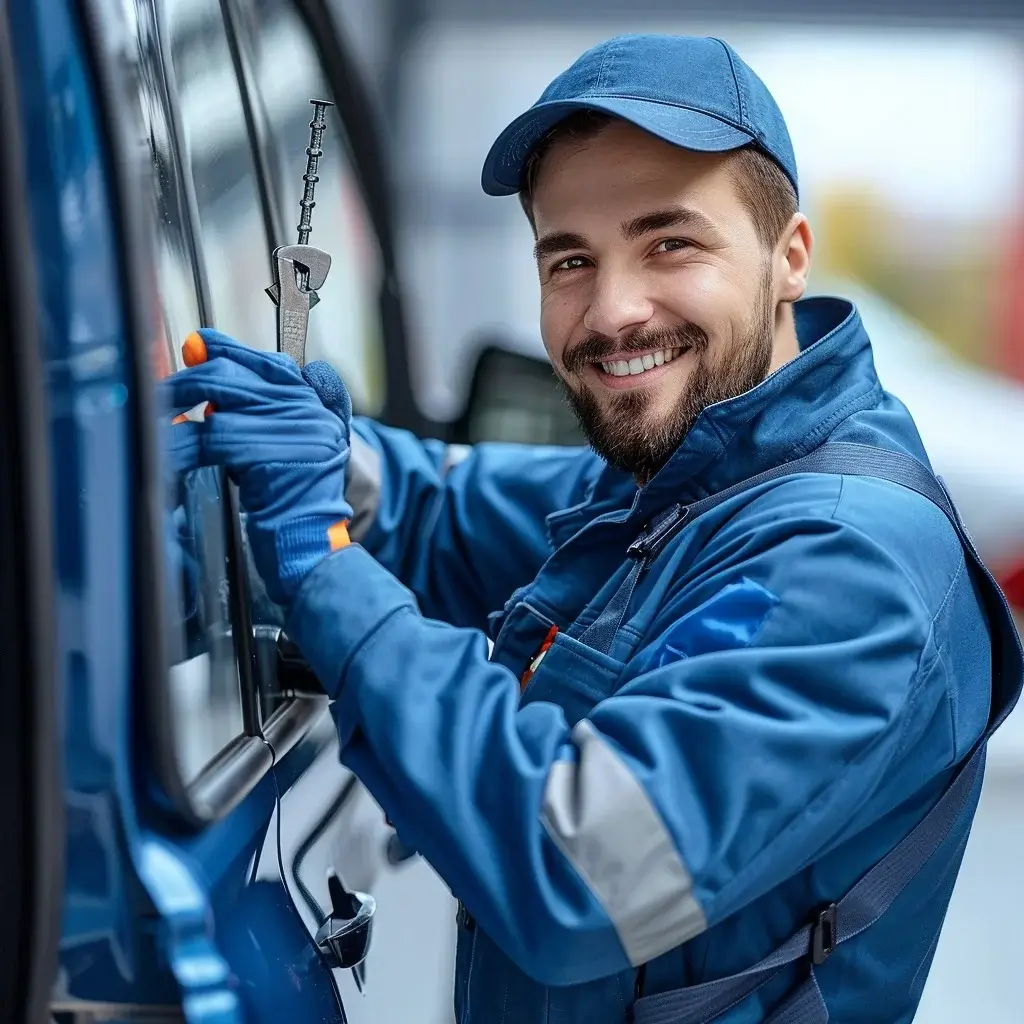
column 632, row 230
column 558, row 241
column 670, row 217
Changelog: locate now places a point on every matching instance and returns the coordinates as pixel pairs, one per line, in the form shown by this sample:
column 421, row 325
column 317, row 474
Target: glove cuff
column 295, row 548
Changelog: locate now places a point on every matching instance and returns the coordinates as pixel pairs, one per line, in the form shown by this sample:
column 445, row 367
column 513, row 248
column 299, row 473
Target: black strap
column 845, row 459
column 872, row 896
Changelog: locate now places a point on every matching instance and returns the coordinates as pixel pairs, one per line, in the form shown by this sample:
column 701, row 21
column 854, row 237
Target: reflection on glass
column 218, row 149
column 205, row 699
column 345, row 327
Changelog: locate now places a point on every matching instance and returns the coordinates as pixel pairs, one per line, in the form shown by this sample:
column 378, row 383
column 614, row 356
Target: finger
column 242, row 441
column 207, row 344
column 246, row 439
column 183, row 448
column 226, row 385
column 192, row 445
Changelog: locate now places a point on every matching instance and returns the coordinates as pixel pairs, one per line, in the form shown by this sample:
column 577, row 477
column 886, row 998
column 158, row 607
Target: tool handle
column 313, row 154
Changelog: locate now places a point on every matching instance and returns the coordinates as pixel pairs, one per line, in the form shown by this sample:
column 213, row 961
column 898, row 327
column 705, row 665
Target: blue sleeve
column 704, row 781
column 461, row 527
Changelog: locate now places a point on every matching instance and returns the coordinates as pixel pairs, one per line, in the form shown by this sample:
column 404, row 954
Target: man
column 706, row 716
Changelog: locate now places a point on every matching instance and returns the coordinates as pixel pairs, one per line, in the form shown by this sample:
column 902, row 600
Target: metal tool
column 301, row 270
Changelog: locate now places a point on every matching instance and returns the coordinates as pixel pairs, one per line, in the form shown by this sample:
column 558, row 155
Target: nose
column 618, row 303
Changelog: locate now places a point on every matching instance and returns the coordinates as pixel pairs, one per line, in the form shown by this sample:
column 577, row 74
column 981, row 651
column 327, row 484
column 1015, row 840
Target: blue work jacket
column 783, row 698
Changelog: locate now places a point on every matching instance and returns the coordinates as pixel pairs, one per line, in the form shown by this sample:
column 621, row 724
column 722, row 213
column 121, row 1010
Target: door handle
column 344, row 935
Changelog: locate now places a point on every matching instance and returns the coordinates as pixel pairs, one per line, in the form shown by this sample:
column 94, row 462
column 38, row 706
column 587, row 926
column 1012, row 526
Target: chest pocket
column 574, row 676
column 570, row 673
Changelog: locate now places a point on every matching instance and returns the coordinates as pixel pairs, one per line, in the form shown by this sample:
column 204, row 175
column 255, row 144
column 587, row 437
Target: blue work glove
column 283, row 447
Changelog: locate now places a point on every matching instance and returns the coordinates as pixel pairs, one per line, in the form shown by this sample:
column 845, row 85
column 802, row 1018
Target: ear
column 793, row 258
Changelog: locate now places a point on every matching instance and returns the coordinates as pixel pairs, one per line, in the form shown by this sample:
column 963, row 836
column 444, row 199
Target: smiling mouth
column 638, row 365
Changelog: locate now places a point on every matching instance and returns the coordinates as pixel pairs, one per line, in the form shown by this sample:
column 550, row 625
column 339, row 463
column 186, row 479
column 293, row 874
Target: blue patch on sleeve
column 727, row 621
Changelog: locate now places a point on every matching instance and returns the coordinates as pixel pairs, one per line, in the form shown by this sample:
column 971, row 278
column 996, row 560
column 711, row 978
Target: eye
column 674, row 245
column 570, row 263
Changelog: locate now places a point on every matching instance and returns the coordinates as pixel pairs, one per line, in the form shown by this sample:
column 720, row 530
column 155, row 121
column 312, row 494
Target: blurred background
column 908, row 125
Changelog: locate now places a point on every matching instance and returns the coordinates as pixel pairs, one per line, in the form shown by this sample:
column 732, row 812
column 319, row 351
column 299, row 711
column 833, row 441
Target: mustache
column 599, row 348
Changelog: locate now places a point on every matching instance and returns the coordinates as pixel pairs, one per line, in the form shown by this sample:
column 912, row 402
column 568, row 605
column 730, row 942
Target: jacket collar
column 787, row 415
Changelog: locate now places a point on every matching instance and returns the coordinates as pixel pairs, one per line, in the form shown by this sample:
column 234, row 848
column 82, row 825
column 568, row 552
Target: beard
column 623, row 431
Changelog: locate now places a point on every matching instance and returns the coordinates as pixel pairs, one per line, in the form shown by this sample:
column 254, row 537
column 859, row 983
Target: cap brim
column 681, row 126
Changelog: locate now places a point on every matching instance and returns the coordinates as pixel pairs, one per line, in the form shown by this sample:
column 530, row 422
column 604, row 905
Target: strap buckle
column 823, row 935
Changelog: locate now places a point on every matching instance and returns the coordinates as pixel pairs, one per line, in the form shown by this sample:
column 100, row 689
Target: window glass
column 203, row 675
column 216, row 143
column 345, row 327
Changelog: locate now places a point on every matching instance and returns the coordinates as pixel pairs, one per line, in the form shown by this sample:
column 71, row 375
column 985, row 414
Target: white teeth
column 639, row 364
column 616, row 369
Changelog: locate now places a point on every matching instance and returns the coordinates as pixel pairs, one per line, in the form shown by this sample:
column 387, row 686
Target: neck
column 786, row 346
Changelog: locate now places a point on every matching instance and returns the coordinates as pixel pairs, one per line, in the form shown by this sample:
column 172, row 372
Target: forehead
column 622, row 169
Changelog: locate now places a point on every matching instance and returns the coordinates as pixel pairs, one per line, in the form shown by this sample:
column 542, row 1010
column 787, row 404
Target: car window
column 217, row 147
column 345, row 327
column 205, row 697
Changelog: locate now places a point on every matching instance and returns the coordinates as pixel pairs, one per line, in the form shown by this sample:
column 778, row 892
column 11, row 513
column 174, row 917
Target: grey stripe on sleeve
column 362, row 488
column 363, row 483
column 601, row 818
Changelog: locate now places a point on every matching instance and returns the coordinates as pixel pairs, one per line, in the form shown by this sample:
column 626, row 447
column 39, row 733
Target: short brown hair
column 761, row 184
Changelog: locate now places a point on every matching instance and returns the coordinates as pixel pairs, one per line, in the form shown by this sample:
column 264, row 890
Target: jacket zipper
column 651, row 541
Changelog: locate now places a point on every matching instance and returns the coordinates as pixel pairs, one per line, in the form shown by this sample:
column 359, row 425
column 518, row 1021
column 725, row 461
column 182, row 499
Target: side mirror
column 516, row 397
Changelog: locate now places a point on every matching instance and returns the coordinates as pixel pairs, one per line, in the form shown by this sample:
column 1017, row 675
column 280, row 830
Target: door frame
column 31, row 754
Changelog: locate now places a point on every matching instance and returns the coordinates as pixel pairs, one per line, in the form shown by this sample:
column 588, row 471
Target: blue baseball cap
column 692, row 91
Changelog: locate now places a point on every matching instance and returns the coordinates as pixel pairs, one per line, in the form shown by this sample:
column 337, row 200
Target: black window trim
column 33, row 759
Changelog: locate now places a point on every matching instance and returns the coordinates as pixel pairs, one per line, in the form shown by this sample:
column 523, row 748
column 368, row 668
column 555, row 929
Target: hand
column 282, row 446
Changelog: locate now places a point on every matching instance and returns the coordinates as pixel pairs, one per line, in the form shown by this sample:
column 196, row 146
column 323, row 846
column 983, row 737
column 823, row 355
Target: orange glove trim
column 338, row 535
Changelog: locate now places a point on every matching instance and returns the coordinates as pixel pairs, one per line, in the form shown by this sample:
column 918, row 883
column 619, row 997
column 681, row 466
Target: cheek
column 703, row 296
column 559, row 320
